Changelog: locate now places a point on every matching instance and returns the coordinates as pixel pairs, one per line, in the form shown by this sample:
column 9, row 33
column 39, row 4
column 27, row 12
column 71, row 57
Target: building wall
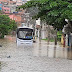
column 11, row 2
column 19, row 2
column 15, row 0
column 0, row 6
column 17, row 18
column 11, row 17
column 3, row 0
column 6, row 9
column 14, row 17
column 12, row 8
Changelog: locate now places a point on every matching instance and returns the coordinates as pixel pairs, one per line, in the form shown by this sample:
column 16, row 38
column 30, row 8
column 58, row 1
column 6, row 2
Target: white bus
column 24, row 36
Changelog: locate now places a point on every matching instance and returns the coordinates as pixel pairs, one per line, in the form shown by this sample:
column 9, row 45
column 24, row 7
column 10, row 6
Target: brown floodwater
column 40, row 57
column 39, row 49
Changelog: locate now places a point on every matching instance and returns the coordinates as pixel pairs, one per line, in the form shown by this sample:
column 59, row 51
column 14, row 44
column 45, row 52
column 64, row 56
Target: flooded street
column 52, row 51
column 40, row 57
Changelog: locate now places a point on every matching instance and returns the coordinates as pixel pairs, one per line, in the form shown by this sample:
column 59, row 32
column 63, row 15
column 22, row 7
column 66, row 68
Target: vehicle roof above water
column 25, row 27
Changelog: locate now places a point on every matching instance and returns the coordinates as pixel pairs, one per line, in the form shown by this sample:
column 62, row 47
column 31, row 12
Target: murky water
column 18, row 59
column 38, row 49
column 51, row 50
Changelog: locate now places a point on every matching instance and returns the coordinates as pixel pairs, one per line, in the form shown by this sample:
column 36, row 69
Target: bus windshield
column 25, row 33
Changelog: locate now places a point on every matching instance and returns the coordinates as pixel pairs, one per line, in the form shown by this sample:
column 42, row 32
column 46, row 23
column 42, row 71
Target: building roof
column 3, row 0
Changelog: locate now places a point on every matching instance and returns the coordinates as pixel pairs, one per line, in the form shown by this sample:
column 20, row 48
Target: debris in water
column 8, row 57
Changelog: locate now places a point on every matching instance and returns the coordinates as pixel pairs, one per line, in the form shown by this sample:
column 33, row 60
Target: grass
column 51, row 40
column 59, row 34
column 45, row 39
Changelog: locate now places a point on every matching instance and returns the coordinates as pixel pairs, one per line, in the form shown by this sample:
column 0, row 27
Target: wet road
column 40, row 57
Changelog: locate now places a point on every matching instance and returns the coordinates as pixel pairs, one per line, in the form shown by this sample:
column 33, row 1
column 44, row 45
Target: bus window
column 25, row 34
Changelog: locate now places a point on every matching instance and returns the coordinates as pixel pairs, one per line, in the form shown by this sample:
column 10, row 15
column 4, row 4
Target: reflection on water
column 42, row 48
column 54, row 51
column 0, row 66
column 69, row 53
column 10, row 54
column 51, row 50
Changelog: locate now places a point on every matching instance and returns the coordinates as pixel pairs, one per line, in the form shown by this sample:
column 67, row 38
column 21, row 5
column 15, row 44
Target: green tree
column 13, row 25
column 6, row 25
column 53, row 12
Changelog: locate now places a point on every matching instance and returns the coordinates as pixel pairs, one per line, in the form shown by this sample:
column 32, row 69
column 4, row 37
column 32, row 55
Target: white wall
column 38, row 22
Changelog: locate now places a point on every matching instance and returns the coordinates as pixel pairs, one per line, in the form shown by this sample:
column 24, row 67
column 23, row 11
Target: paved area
column 40, row 57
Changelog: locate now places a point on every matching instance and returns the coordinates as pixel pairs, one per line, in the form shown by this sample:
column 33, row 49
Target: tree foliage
column 54, row 12
column 6, row 25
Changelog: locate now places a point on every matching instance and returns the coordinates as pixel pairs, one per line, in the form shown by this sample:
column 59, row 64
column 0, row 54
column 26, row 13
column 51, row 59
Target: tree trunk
column 56, row 37
column 48, row 34
column 48, row 29
column 40, row 31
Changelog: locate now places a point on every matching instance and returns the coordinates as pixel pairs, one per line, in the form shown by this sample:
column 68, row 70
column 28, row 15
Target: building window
column 5, row 10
